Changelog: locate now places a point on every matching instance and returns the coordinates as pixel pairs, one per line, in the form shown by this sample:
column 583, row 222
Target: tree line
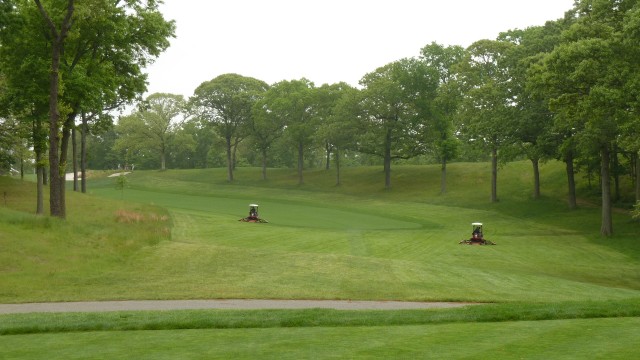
column 565, row 90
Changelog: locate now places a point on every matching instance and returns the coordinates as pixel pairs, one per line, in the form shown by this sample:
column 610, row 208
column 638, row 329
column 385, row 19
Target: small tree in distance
column 154, row 126
column 121, row 183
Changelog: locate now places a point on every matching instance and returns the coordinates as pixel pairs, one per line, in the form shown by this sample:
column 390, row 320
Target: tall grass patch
column 47, row 259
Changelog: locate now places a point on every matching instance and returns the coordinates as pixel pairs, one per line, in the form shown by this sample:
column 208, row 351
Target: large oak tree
column 226, row 103
column 337, row 127
column 588, row 75
column 443, row 60
column 393, row 111
column 488, row 107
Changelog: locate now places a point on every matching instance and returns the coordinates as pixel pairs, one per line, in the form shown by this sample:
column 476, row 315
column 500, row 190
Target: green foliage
column 486, row 80
column 65, row 59
column 288, row 109
column 588, row 76
column 444, row 61
column 154, row 127
column 226, row 103
column 121, row 183
column 635, row 213
column 392, row 108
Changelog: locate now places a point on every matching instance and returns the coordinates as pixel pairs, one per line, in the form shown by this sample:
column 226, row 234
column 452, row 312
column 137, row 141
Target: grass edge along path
column 37, row 323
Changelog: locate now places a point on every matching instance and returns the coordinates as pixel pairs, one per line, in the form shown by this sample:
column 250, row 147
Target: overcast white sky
column 325, row 41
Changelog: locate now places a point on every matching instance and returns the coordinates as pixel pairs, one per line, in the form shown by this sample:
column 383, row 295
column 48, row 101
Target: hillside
column 175, row 235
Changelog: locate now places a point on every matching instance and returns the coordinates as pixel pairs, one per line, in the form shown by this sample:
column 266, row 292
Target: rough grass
column 45, row 258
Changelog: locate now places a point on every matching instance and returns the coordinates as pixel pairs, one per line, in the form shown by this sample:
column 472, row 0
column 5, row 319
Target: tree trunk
column 573, row 203
column 39, row 183
column 300, row 162
column 163, row 156
column 606, row 228
column 56, row 187
column 536, row 178
column 74, row 157
column 39, row 150
column 234, row 161
column 337, row 155
column 64, row 150
column 327, row 149
column 229, row 160
column 55, row 182
column 387, row 160
column 616, row 172
column 494, row 174
column 637, row 177
column 83, row 154
column 443, row 175
column 264, row 164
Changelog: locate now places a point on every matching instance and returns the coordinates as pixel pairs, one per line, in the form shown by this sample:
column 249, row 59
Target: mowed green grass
column 363, row 242
column 566, row 339
column 356, row 241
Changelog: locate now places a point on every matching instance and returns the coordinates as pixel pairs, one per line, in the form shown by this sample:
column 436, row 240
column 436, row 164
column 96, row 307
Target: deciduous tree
column 291, row 106
column 533, row 120
column 488, row 106
column 443, row 60
column 153, row 127
column 269, row 121
column 226, row 102
column 338, row 125
column 94, row 52
column 393, row 103
column 57, row 34
column 588, row 73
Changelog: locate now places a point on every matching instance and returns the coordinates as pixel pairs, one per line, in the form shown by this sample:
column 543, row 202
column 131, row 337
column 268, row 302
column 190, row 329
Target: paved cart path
column 150, row 305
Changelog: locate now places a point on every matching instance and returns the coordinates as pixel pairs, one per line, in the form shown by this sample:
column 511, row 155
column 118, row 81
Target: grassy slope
column 359, row 241
column 47, row 259
column 355, row 241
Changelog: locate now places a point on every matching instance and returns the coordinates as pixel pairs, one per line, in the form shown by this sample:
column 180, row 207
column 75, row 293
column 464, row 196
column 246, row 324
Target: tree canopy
column 153, row 127
column 226, row 103
column 392, row 111
column 76, row 57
